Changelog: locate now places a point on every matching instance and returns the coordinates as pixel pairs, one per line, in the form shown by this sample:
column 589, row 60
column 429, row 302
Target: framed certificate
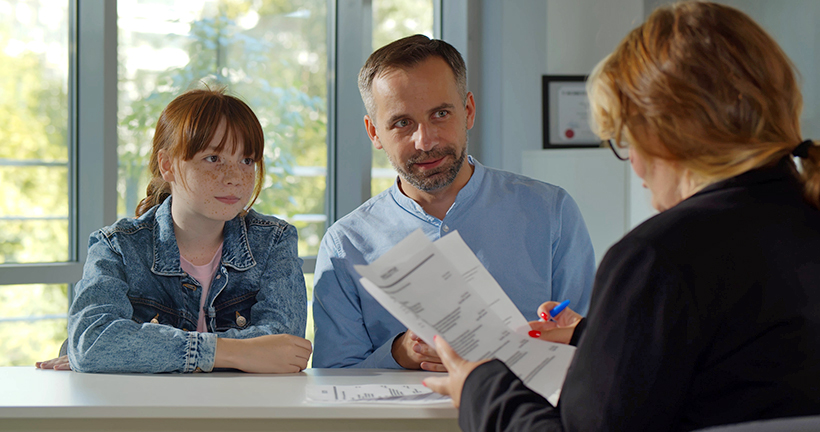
column 566, row 112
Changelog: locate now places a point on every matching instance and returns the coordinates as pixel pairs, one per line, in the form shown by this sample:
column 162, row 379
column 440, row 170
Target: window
column 34, row 172
column 271, row 55
column 60, row 72
column 32, row 322
column 34, row 132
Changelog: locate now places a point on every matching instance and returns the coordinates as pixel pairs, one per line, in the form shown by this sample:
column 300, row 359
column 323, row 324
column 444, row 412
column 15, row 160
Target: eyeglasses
column 622, row 153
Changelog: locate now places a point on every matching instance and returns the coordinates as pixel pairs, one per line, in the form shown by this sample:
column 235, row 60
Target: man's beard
column 433, row 180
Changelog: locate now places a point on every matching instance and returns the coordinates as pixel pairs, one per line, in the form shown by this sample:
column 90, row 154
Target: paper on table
column 419, row 284
column 374, row 393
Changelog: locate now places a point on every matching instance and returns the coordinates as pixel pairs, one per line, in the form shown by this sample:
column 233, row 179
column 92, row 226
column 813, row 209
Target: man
column 528, row 234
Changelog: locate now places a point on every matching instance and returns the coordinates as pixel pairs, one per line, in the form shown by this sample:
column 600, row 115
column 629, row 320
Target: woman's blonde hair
column 711, row 85
column 187, row 126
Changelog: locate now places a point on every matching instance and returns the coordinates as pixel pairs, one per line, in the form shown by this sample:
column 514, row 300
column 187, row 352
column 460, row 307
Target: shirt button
column 446, row 228
column 218, row 276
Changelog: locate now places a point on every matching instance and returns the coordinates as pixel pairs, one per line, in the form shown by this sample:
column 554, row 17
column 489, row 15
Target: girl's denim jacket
column 136, row 310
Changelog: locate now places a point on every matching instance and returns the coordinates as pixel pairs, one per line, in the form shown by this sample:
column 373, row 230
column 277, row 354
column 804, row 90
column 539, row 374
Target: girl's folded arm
column 104, row 338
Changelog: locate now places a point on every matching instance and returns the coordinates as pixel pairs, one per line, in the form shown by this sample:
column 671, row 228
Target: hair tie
column 802, row 150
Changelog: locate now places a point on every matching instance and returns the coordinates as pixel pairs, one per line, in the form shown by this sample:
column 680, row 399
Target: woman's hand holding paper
column 458, row 368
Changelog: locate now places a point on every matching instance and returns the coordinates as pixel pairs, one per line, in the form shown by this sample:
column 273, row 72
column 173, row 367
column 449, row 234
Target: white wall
column 582, row 32
column 521, row 40
column 518, row 42
column 508, row 98
column 559, row 37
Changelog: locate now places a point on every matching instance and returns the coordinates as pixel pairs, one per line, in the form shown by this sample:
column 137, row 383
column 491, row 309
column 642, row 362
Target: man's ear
column 370, row 127
column 166, row 166
column 469, row 108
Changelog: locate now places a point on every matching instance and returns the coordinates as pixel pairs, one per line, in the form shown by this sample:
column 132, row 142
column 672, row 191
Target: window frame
column 92, row 96
column 92, row 132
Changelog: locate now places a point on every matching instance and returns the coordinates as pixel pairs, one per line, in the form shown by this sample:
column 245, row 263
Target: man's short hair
column 406, row 53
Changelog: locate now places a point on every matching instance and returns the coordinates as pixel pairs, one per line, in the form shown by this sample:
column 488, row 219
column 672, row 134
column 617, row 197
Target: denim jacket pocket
column 235, row 313
column 151, row 311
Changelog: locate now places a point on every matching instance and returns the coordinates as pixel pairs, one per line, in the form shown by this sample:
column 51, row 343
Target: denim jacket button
column 154, row 320
column 240, row 320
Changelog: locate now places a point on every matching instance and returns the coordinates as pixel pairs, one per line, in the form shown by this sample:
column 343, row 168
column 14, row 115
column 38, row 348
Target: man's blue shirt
column 528, row 234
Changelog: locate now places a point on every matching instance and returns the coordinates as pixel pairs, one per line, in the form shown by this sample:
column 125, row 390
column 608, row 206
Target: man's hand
column 282, row 353
column 459, row 369
column 411, row 352
column 59, row 363
column 560, row 330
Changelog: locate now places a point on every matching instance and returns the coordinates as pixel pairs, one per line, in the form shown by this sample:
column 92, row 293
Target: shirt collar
column 236, row 251
column 464, row 195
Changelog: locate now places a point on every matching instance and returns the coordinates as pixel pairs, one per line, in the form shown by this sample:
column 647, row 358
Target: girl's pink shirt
column 204, row 274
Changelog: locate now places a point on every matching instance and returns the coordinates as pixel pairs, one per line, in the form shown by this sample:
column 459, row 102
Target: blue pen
column 558, row 309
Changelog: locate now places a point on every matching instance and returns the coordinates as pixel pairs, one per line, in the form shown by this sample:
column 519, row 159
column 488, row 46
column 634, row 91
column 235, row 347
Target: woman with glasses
column 709, row 312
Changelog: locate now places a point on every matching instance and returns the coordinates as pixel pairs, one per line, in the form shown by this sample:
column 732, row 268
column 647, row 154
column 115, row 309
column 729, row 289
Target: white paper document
column 442, row 289
column 415, row 394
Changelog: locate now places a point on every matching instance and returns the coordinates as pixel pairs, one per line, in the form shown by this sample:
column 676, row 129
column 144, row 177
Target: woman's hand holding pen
column 557, row 327
column 282, row 353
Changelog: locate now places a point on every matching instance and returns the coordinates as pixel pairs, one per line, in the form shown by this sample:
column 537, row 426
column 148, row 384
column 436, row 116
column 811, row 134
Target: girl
column 198, row 280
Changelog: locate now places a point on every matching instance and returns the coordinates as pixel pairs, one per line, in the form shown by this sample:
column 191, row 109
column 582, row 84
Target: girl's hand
column 282, row 353
column 458, row 369
column 59, row 363
column 560, row 330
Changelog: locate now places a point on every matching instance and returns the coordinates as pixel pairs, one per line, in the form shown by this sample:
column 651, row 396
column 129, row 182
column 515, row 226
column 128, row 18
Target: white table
column 33, row 399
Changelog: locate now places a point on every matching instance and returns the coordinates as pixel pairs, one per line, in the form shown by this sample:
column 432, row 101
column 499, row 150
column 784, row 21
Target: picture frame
column 566, row 113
